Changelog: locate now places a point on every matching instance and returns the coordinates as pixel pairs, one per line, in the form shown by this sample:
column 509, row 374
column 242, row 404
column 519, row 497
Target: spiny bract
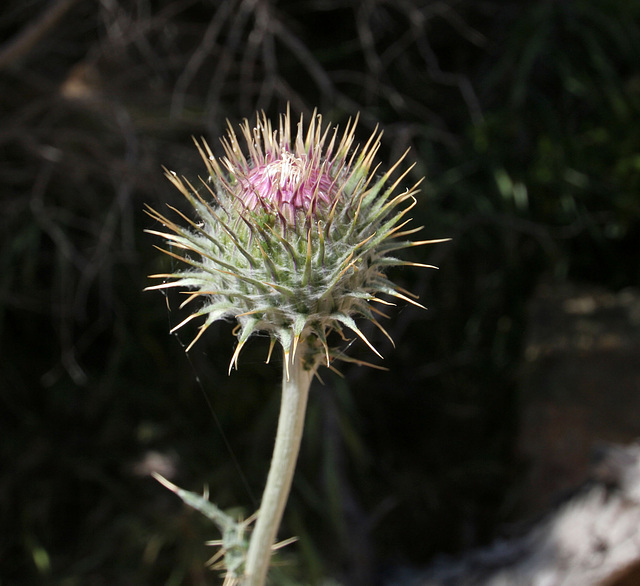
column 292, row 238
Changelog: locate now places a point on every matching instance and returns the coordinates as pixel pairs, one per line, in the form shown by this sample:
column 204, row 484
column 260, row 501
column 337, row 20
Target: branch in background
column 23, row 42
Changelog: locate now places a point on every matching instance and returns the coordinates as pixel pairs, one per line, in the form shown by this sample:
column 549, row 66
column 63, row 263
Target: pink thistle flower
column 287, row 185
column 282, row 177
column 294, row 236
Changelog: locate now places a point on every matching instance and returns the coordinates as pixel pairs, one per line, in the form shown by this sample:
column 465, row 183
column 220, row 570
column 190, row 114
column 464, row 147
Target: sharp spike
column 436, row 241
column 236, row 354
column 397, row 182
column 272, row 343
column 408, row 293
column 306, row 277
column 311, row 131
column 184, row 321
column 378, row 312
column 269, row 263
column 286, row 364
column 361, row 244
column 334, row 369
column 325, row 346
column 320, row 243
column 379, row 326
column 406, row 232
column 163, row 285
column 373, row 142
column 211, row 562
column 286, row 245
column 342, row 272
column 382, row 301
column 319, row 377
column 407, row 299
column 166, row 483
column 203, row 329
column 283, row 543
column 252, row 312
column 294, row 346
column 418, row 264
column 348, row 321
column 366, row 341
column 391, row 233
column 346, row 358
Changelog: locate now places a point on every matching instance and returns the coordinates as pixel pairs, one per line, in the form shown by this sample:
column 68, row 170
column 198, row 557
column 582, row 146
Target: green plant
column 292, row 240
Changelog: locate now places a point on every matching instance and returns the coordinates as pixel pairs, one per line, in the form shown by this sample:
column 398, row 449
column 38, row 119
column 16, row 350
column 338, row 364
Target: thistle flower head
column 292, row 235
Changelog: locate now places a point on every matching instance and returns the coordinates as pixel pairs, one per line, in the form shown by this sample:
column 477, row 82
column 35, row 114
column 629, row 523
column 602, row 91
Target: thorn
column 383, row 301
column 252, row 312
column 163, row 285
column 409, row 293
column 294, row 346
column 362, row 363
column 419, row 264
column 348, row 321
column 251, row 518
column 378, row 312
column 406, row 232
column 166, row 483
column 321, row 244
column 334, row 369
column 361, row 244
column 272, row 343
column 407, row 299
column 366, row 341
column 203, row 328
column 284, row 543
column 384, row 331
column 189, row 299
column 210, row 562
column 436, row 241
column 184, row 321
column 326, row 351
column 307, row 265
column 286, row 364
column 234, row 358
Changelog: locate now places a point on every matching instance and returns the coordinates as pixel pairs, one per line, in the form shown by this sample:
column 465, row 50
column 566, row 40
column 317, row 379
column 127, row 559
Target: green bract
column 292, row 238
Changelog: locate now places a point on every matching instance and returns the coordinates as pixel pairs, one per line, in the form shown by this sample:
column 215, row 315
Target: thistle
column 292, row 237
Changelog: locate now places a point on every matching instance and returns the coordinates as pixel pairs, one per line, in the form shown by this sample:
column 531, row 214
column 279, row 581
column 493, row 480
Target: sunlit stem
column 295, row 390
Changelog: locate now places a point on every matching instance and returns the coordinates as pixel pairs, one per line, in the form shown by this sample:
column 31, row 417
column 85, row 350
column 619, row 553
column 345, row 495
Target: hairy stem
column 295, row 390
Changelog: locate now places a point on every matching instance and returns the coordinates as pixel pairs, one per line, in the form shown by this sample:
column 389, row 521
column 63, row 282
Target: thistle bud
column 292, row 235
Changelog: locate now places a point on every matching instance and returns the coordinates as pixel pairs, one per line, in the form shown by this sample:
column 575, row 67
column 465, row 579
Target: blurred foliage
column 524, row 119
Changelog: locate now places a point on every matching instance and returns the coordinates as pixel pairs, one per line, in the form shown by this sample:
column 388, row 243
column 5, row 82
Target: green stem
column 295, row 390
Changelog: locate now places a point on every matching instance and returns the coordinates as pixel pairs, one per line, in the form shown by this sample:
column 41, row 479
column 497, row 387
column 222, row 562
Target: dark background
column 524, row 118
